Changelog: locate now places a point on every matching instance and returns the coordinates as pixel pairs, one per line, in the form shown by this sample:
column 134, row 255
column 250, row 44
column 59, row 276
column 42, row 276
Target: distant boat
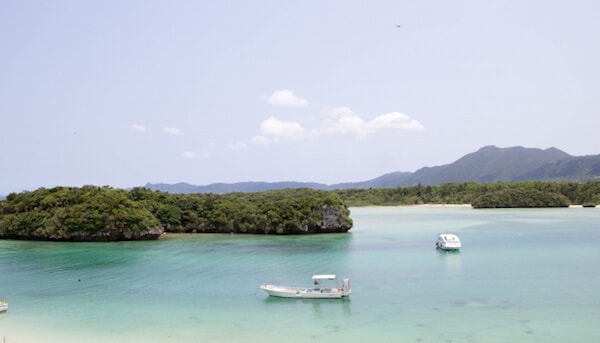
column 3, row 306
column 316, row 292
column 448, row 241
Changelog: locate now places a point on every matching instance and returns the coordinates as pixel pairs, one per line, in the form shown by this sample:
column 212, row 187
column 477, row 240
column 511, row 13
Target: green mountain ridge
column 486, row 165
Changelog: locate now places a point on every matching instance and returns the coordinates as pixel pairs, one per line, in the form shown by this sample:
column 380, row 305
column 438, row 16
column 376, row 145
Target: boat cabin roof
column 324, row 276
column 449, row 236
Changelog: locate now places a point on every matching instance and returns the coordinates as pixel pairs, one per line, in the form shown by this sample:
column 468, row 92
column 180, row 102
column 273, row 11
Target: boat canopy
column 324, row 277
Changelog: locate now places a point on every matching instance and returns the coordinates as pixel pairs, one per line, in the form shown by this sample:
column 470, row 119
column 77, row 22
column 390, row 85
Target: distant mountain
column 488, row 164
column 221, row 188
column 572, row 168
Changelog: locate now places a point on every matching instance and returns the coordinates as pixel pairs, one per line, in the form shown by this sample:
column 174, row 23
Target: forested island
column 92, row 213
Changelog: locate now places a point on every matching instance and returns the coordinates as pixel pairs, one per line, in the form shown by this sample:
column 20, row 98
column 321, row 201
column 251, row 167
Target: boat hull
column 446, row 248
column 305, row 293
column 3, row 306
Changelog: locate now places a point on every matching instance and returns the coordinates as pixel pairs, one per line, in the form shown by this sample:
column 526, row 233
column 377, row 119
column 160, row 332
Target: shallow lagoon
column 522, row 276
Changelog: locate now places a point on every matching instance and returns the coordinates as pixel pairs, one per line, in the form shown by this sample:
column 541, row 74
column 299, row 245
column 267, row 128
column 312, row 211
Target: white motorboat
column 448, row 241
column 316, row 292
column 3, row 306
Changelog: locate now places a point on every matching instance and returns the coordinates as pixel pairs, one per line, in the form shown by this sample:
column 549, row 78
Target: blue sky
column 122, row 93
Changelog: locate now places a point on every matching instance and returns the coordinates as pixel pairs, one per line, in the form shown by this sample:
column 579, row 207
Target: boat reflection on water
column 451, row 261
column 320, row 308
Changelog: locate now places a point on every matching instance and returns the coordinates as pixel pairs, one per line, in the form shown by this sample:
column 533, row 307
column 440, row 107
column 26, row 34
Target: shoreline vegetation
column 529, row 194
column 92, row 213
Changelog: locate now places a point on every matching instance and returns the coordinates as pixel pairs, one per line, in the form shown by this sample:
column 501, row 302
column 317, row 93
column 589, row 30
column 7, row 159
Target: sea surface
column 523, row 275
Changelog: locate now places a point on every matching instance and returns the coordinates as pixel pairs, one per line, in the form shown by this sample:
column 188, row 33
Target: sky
column 121, row 93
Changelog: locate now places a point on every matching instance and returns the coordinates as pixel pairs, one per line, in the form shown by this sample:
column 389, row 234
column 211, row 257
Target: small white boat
column 3, row 306
column 316, row 292
column 448, row 241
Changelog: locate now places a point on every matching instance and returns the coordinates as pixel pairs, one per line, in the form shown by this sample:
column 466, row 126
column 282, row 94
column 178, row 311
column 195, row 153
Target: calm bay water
column 522, row 276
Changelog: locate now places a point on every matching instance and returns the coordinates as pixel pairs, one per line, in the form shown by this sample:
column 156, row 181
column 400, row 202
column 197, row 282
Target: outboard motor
column 346, row 290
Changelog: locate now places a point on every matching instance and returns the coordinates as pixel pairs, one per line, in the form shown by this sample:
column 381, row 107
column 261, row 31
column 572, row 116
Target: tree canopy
column 104, row 213
column 466, row 193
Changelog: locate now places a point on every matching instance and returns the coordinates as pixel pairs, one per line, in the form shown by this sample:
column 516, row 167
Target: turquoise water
column 522, row 276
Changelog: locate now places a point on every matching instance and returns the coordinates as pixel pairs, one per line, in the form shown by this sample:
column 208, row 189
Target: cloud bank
column 334, row 121
column 286, row 98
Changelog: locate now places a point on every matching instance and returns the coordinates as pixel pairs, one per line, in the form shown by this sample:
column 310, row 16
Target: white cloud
column 342, row 121
column 286, row 98
column 346, row 126
column 138, row 127
column 395, row 121
column 335, row 121
column 276, row 128
column 172, row 131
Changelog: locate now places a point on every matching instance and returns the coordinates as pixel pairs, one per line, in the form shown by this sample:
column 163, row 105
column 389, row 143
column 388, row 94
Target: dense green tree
column 518, row 197
column 103, row 213
column 466, row 193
